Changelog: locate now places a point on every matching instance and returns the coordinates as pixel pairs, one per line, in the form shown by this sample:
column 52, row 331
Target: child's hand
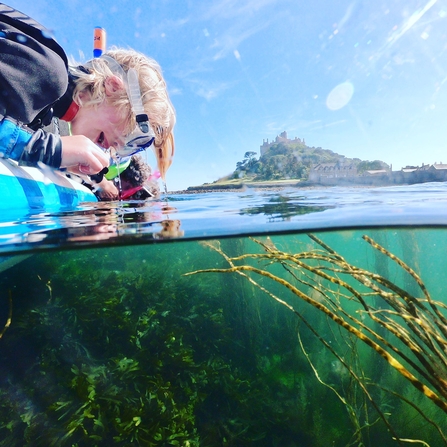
column 82, row 156
column 107, row 190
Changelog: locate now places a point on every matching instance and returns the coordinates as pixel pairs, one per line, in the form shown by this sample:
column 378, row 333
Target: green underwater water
column 116, row 346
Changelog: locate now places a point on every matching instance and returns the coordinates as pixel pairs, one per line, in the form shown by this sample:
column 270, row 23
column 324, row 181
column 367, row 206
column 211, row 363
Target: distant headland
column 290, row 162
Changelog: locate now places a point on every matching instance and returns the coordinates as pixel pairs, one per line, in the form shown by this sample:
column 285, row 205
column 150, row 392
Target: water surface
column 223, row 214
column 299, row 318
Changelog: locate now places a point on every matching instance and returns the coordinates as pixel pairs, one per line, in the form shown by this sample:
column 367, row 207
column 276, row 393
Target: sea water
column 294, row 318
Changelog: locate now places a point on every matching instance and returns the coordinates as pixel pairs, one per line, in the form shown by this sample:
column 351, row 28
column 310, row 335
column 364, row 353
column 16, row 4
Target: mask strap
column 130, row 80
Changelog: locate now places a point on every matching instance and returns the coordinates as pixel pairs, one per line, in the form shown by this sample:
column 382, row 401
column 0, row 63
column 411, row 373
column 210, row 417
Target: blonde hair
column 154, row 94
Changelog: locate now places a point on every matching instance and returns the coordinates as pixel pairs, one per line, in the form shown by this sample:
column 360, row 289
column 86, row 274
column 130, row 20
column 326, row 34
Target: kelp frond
column 411, row 332
column 9, row 319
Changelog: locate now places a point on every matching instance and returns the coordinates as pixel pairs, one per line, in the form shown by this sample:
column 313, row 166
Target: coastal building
column 436, row 172
column 332, row 174
column 343, row 172
column 281, row 138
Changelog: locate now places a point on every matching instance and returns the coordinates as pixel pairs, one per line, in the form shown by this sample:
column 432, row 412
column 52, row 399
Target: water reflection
column 198, row 216
column 283, row 208
column 96, row 222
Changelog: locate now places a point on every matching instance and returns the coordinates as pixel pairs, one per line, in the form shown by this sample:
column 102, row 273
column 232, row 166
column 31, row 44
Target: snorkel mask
column 143, row 135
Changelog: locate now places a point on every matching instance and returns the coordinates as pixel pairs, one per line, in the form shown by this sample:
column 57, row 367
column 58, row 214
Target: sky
column 363, row 79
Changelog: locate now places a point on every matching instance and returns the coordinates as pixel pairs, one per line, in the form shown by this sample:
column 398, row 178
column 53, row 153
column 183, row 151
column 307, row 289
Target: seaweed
column 118, row 347
column 130, row 356
column 407, row 330
column 9, row 319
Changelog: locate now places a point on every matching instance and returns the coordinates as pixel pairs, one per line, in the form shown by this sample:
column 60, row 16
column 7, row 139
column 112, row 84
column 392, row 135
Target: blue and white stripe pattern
column 25, row 187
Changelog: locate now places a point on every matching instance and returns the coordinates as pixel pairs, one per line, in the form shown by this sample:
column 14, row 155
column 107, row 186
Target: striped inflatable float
column 34, row 188
column 26, row 191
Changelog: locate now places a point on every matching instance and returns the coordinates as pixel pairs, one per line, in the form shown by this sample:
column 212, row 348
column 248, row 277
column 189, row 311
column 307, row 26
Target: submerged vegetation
column 123, row 358
column 125, row 346
column 99, row 355
column 408, row 331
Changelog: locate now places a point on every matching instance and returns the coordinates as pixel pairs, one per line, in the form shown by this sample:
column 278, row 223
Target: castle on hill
column 343, row 173
column 281, row 138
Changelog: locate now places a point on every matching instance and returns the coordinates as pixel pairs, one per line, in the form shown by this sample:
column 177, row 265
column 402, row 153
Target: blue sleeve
column 27, row 147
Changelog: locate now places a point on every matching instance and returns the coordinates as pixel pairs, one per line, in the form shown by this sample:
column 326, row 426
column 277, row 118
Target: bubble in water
column 340, row 96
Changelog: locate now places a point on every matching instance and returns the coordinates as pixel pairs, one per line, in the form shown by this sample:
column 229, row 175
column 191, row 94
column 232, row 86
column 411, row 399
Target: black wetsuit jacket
column 35, row 86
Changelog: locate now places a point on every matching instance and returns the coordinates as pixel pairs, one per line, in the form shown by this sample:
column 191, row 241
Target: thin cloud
column 244, row 22
column 406, row 26
column 175, row 91
column 326, row 125
column 192, row 68
column 412, row 20
column 346, row 17
column 292, row 125
column 227, row 9
column 209, row 90
column 167, row 26
column 230, row 41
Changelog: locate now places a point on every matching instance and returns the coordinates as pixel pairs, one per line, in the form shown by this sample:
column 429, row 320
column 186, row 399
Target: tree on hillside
column 248, row 164
column 294, row 161
column 277, row 149
column 370, row 166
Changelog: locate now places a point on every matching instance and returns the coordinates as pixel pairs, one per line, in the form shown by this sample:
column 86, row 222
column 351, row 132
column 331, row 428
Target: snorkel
column 143, row 135
column 99, row 41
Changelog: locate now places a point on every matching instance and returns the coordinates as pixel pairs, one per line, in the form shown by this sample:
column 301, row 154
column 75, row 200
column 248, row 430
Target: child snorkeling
column 116, row 103
column 134, row 182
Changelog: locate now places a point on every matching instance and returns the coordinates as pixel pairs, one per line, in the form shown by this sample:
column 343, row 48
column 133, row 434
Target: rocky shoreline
column 240, row 187
column 279, row 185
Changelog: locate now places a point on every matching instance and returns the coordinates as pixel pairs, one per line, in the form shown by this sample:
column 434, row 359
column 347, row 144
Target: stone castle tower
column 281, row 138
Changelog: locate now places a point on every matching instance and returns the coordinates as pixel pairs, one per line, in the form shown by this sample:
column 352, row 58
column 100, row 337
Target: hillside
column 291, row 161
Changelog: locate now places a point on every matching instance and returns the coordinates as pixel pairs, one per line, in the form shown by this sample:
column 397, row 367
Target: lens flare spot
column 340, row 96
